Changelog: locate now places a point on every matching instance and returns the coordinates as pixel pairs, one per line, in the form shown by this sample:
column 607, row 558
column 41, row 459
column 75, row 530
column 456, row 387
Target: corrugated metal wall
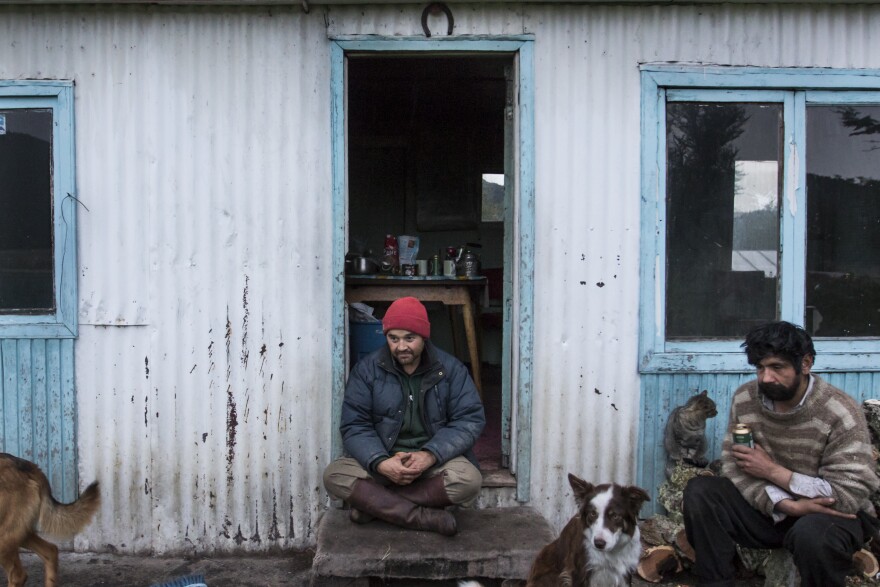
column 663, row 392
column 587, row 388
column 203, row 359
column 203, row 157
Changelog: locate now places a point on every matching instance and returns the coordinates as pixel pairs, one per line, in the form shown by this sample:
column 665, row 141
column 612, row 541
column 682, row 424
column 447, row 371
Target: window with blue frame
column 37, row 211
column 761, row 201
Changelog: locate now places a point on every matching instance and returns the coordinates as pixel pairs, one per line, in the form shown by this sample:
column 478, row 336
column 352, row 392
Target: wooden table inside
column 452, row 292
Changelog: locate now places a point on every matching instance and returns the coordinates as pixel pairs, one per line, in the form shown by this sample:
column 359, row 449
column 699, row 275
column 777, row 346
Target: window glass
column 843, row 227
column 493, row 197
column 724, row 178
column 26, row 224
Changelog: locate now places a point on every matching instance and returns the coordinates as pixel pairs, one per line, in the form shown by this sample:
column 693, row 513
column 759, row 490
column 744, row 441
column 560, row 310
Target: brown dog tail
column 63, row 520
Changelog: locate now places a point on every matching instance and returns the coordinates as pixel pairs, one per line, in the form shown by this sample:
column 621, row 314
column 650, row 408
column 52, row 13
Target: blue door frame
column 522, row 48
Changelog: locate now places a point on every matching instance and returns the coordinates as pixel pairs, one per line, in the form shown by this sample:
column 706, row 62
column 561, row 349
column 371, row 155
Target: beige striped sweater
column 826, row 437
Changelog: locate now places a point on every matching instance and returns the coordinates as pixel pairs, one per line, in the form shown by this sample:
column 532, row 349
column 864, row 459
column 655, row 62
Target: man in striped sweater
column 801, row 485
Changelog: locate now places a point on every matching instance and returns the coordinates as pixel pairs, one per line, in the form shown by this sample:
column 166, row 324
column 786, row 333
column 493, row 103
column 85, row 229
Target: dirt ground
column 105, row 570
column 291, row 569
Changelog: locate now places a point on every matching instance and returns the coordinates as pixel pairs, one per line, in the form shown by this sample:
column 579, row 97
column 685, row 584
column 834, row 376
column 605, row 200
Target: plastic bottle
column 391, row 257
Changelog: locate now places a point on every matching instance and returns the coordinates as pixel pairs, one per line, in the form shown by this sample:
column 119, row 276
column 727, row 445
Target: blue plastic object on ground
column 185, row 581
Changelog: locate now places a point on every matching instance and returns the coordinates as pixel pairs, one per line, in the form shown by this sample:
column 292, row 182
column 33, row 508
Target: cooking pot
column 358, row 265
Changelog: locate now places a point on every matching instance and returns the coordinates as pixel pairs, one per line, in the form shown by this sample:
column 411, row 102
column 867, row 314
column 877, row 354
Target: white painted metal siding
column 587, row 123
column 587, row 126
column 203, row 159
column 203, row 359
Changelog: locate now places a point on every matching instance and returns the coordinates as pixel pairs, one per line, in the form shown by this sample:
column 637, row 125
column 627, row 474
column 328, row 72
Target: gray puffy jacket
column 374, row 404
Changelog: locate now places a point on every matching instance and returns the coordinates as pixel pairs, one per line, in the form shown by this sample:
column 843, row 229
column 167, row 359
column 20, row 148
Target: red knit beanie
column 407, row 314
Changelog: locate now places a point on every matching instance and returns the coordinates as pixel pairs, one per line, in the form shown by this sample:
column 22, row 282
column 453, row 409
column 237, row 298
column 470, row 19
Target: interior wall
column 422, row 131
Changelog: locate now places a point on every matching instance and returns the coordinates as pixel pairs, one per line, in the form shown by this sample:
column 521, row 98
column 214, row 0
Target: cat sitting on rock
column 685, row 436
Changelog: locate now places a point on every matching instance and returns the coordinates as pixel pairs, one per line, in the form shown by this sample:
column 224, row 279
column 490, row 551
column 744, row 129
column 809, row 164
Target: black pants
column 717, row 518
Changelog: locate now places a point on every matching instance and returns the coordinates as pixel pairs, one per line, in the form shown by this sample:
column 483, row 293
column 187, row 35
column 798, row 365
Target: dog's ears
column 636, row 495
column 581, row 488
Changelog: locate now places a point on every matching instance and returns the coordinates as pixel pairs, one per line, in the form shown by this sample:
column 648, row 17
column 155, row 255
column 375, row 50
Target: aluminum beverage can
column 742, row 434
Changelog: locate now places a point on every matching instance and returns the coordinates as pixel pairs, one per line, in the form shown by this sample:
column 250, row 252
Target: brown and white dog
column 600, row 546
column 27, row 507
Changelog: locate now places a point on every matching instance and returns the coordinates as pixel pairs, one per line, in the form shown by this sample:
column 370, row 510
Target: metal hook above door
column 437, row 8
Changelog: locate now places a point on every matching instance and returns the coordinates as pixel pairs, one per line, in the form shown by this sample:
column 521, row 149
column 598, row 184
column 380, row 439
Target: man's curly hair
column 781, row 339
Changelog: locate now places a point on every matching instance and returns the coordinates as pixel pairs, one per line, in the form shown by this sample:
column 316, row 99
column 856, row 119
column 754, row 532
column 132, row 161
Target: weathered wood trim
column 521, row 47
column 793, row 88
column 38, row 408
column 56, row 95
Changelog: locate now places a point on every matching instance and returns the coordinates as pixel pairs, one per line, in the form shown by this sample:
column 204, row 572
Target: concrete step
column 496, row 543
column 498, row 491
column 498, row 478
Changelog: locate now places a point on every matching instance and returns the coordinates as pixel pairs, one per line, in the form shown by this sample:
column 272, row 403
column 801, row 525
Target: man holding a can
column 800, row 483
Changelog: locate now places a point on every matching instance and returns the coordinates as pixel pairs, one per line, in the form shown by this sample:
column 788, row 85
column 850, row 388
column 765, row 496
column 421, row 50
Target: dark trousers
column 717, row 518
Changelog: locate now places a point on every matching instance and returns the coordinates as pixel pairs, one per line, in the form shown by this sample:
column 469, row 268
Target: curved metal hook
column 434, row 8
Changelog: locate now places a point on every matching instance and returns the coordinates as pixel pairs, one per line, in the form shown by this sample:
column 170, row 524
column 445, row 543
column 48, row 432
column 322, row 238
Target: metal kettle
column 467, row 262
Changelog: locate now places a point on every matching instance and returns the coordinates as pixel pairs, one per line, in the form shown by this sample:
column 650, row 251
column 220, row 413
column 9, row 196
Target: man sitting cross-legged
column 410, row 417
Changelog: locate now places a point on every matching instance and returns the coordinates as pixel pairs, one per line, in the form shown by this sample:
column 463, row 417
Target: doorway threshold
column 498, row 478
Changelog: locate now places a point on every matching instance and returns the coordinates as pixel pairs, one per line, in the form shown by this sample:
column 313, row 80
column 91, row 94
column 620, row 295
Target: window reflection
column 26, row 258
column 493, row 198
column 723, row 183
column 755, row 216
column 843, row 226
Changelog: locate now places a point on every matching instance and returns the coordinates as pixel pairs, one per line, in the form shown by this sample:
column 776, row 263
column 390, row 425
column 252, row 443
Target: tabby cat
column 685, row 435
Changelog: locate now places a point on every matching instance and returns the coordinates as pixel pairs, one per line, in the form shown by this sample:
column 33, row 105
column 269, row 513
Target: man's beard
column 405, row 358
column 780, row 393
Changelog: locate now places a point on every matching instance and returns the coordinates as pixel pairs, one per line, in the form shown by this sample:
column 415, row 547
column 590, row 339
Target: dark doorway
column 426, row 157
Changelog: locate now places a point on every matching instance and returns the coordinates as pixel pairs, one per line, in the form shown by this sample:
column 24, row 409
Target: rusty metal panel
column 202, row 374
